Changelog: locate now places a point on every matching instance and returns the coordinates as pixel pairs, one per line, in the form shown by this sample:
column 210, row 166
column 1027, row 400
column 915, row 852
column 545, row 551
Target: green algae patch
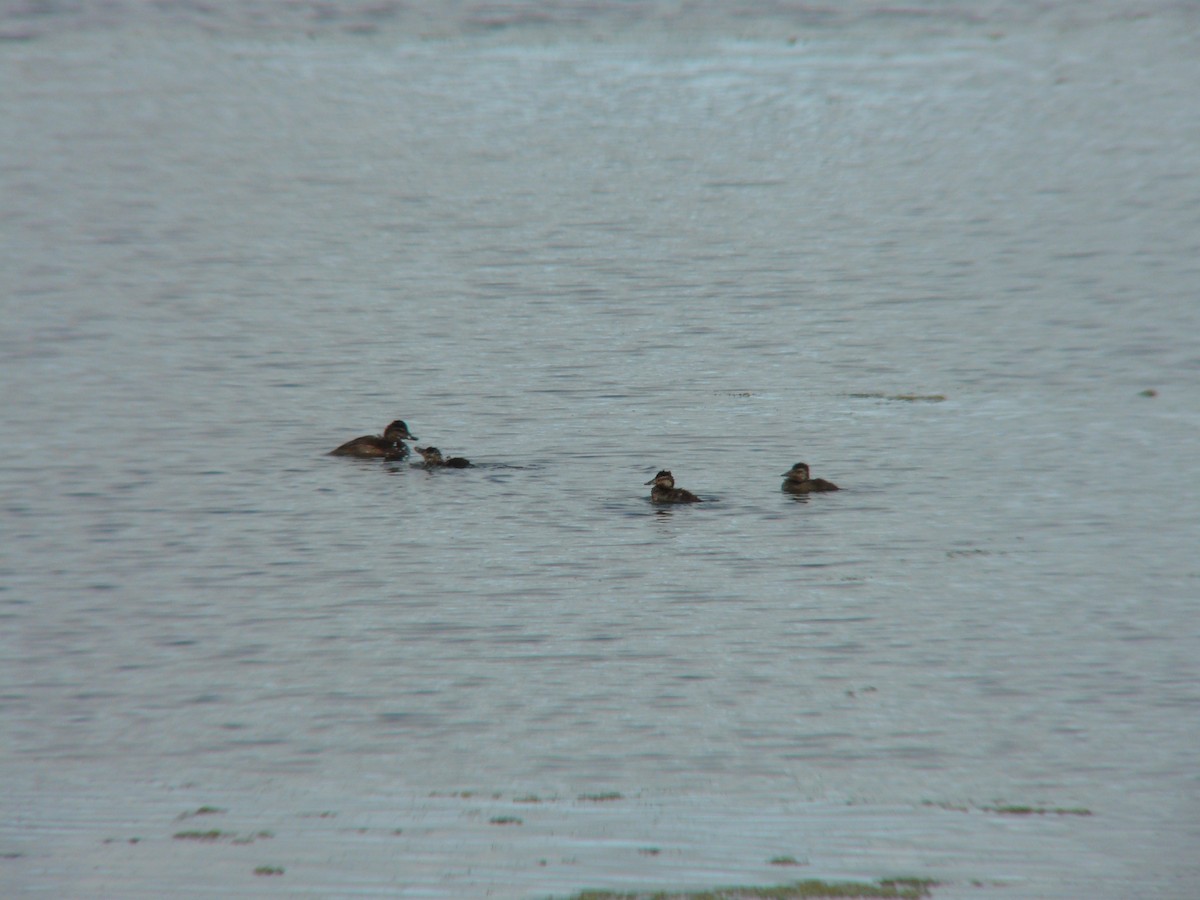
column 1037, row 810
column 888, row 889
column 213, row 835
column 1014, row 809
column 269, row 870
column 202, row 811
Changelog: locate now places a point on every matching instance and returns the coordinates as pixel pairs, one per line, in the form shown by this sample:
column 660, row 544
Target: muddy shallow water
column 948, row 259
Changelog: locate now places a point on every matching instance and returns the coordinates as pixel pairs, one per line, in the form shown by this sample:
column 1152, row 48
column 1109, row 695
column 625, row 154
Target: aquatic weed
column 886, row 889
column 202, row 811
column 1017, row 810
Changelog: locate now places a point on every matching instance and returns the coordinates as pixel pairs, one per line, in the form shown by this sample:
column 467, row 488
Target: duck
column 664, row 490
column 372, row 446
column 796, row 480
column 433, row 457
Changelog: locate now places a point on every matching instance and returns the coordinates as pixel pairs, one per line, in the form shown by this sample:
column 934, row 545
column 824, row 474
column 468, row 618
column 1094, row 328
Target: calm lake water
column 948, row 255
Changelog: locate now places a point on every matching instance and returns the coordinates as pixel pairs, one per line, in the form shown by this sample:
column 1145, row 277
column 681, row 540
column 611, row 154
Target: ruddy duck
column 372, row 446
column 796, row 481
column 433, row 457
column 664, row 490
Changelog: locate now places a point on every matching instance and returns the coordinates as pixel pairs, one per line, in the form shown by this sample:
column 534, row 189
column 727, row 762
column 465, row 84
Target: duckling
column 796, row 481
column 433, row 457
column 664, row 490
column 371, row 446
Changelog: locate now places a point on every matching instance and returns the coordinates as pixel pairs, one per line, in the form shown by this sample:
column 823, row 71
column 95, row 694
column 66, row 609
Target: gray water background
column 938, row 253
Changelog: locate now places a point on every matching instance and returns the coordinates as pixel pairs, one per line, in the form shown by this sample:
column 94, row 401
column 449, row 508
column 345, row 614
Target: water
column 939, row 257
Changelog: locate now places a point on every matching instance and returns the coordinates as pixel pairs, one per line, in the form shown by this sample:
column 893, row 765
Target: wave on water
column 536, row 19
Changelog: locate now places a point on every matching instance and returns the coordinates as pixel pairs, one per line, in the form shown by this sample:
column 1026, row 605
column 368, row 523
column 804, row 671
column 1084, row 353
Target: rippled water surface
column 948, row 257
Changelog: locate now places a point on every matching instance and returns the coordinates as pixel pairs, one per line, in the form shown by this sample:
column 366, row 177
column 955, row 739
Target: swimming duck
column 796, row 481
column 664, row 490
column 433, row 457
column 372, row 446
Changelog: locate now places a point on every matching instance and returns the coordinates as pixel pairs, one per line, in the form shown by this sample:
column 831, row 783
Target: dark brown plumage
column 796, row 480
column 433, row 458
column 664, row 490
column 371, row 446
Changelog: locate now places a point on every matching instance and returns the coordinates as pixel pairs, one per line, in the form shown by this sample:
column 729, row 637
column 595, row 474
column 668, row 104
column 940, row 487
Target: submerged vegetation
column 213, row 835
column 888, row 889
column 202, row 811
column 1037, row 811
column 907, row 398
column 218, row 835
column 1015, row 809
